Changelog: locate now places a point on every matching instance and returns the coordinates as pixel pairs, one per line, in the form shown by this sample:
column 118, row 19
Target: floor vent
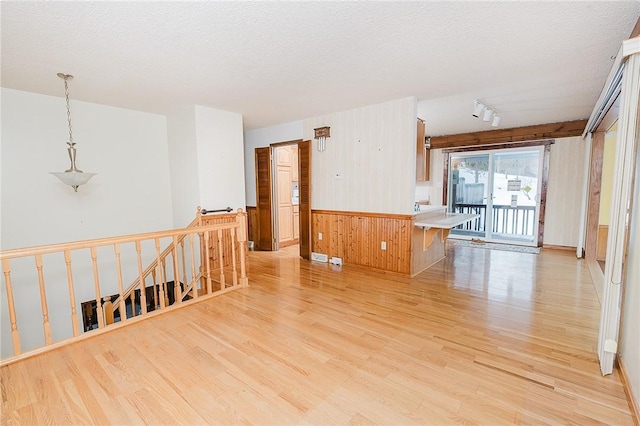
column 319, row 257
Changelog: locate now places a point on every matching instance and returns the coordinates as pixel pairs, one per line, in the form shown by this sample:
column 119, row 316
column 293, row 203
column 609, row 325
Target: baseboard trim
column 626, row 383
column 554, row 247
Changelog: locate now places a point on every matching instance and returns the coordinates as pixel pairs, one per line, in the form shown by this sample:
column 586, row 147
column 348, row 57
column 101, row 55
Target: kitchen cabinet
column 423, row 154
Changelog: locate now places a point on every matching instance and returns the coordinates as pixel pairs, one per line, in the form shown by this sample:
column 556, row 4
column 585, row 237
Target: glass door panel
column 468, row 191
column 515, row 181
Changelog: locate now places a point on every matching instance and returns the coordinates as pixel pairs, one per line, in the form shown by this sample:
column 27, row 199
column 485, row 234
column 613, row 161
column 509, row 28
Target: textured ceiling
column 274, row 62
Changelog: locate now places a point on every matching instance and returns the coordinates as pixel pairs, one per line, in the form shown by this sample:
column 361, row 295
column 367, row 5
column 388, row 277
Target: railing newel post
column 241, row 219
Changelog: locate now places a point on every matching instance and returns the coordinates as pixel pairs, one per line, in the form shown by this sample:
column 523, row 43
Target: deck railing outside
column 181, row 268
column 514, row 221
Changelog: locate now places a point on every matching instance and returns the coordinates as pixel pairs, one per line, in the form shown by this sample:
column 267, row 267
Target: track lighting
column 478, row 108
column 487, row 113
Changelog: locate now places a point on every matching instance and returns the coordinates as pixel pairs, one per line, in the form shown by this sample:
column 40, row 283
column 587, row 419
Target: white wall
column 183, row 160
column 373, row 150
column 130, row 194
column 562, row 217
column 262, row 137
column 432, row 189
column 219, row 139
column 630, row 337
column 128, row 150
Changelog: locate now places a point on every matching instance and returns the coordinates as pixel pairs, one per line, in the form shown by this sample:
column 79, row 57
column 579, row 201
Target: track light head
column 487, row 114
column 478, row 107
column 496, row 120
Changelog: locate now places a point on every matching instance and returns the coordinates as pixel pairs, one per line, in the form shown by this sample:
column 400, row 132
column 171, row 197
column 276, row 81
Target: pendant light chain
column 73, row 176
column 66, row 95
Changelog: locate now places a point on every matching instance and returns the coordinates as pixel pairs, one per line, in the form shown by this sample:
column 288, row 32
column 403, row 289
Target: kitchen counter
column 445, row 220
column 429, row 223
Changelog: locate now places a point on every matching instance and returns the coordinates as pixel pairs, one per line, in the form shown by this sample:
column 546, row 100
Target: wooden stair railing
column 222, row 248
column 110, row 306
column 197, row 263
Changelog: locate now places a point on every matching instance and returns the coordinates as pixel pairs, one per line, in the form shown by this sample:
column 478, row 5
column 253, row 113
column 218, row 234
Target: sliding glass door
column 502, row 187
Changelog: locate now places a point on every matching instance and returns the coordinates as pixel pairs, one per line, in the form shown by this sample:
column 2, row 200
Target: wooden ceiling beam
column 517, row 134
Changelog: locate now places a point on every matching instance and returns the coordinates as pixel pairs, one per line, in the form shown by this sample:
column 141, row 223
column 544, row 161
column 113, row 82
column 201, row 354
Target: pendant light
column 73, row 176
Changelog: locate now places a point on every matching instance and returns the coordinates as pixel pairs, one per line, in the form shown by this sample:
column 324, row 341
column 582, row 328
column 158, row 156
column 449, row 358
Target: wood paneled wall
column 252, row 218
column 356, row 238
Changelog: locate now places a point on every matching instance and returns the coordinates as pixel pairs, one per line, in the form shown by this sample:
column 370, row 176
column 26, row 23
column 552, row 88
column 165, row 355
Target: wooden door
column 295, row 178
column 304, row 185
column 285, row 206
column 263, row 199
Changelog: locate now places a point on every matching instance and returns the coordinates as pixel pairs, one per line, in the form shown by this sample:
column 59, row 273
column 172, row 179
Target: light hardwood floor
column 483, row 337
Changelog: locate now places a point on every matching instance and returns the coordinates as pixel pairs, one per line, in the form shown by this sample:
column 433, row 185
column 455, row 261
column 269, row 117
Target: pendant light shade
column 73, row 176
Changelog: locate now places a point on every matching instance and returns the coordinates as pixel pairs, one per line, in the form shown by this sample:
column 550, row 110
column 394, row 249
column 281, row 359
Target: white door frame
column 617, row 241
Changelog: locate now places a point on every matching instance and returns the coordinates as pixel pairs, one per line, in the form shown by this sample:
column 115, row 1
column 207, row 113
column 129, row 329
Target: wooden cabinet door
column 422, row 154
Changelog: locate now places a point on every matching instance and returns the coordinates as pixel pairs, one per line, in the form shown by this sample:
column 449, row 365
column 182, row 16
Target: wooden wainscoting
column 357, row 237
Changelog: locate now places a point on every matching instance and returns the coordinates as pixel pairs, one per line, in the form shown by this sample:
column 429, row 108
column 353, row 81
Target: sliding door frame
column 544, row 178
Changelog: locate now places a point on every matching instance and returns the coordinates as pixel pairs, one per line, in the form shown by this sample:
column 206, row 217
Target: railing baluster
column 162, row 277
column 184, row 265
column 505, row 220
column 143, row 285
column 108, row 310
column 193, row 268
column 132, row 300
column 96, row 282
column 43, row 301
column 221, row 260
column 177, row 291
column 233, row 256
column 15, row 335
column 72, row 294
column 155, row 289
column 164, row 283
column 207, row 262
column 123, row 305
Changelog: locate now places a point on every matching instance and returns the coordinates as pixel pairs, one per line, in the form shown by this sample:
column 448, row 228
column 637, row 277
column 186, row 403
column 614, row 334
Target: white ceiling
column 274, row 62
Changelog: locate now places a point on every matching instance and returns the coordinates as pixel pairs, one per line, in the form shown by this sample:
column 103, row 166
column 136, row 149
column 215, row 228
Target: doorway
column 286, row 230
column 283, row 196
column 504, row 187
